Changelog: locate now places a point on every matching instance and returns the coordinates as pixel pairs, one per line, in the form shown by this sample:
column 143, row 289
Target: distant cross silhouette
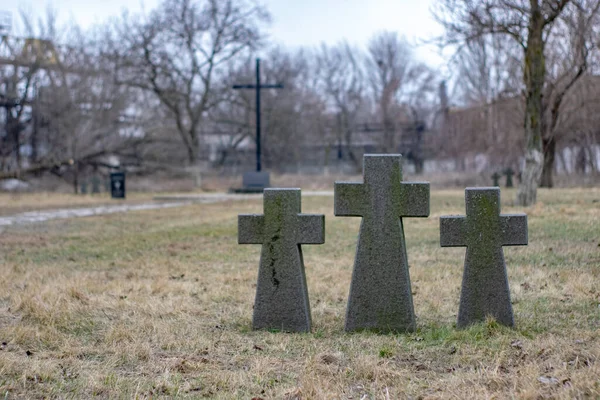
column 281, row 294
column 509, row 177
column 258, row 86
column 496, row 178
column 484, row 231
column 380, row 295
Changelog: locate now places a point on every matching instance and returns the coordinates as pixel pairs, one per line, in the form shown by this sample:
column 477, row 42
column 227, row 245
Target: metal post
column 258, row 165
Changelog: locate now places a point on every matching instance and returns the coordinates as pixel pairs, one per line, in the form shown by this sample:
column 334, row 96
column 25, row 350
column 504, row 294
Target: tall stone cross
column 380, row 295
column 281, row 294
column 484, row 231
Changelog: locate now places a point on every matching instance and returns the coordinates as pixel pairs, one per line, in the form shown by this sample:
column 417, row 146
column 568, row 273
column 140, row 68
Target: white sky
column 295, row 22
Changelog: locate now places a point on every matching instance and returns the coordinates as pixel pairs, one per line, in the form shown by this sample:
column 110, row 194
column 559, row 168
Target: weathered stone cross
column 484, row 231
column 281, row 294
column 380, row 295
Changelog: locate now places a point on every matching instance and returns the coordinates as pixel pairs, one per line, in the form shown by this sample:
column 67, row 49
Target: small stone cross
column 484, row 231
column 496, row 179
column 281, row 301
column 380, row 295
column 509, row 177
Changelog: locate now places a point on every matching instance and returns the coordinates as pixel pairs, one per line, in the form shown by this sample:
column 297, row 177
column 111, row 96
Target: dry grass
column 159, row 304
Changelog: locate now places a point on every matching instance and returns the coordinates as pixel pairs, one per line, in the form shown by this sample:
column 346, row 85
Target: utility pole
column 258, row 87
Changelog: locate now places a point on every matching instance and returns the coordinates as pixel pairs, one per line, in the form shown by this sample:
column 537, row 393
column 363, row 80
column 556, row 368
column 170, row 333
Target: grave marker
column 509, row 177
column 496, row 179
column 281, row 294
column 380, row 294
column 484, row 231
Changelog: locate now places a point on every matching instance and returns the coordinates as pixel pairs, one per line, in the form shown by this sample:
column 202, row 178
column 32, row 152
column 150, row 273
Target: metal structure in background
column 257, row 86
column 28, row 52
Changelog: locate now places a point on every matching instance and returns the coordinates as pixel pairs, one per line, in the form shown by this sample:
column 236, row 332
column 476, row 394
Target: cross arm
column 244, row 86
column 348, row 199
column 251, row 228
column 453, row 231
column 414, row 199
column 514, row 229
column 274, row 86
column 310, row 229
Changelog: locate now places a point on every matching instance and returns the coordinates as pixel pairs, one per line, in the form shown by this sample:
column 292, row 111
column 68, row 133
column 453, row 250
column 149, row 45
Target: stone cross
column 281, row 301
column 509, row 177
column 484, row 231
column 496, row 178
column 380, row 295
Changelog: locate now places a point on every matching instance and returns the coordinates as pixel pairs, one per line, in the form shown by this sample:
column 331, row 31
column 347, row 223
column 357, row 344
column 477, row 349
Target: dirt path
column 46, row 215
column 165, row 202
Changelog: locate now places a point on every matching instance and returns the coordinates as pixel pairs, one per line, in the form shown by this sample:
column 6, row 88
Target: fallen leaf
column 257, row 347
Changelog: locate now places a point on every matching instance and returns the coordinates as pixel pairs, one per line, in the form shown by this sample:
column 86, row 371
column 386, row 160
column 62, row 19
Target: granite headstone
column 484, row 231
column 281, row 301
column 380, row 294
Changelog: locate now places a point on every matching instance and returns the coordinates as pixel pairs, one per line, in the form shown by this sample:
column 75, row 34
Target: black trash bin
column 117, row 185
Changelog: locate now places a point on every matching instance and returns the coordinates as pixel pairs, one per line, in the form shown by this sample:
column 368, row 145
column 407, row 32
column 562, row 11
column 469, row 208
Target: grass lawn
column 159, row 304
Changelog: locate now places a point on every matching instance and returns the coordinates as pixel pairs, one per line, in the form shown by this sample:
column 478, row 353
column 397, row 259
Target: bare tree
column 389, row 68
column 77, row 115
column 488, row 69
column 572, row 45
column 85, row 113
column 343, row 83
column 179, row 52
column 397, row 80
column 23, row 59
column 529, row 23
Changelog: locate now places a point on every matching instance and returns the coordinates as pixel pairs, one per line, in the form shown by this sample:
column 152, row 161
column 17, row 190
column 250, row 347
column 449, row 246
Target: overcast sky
column 295, row 22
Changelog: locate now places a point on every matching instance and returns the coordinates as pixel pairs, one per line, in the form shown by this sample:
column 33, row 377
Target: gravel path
column 205, row 197
column 167, row 202
column 46, row 215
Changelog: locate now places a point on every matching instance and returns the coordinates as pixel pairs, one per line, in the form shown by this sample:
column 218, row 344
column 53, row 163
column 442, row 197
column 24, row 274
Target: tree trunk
column 76, row 178
column 549, row 156
column 581, row 161
column 192, row 153
column 533, row 77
